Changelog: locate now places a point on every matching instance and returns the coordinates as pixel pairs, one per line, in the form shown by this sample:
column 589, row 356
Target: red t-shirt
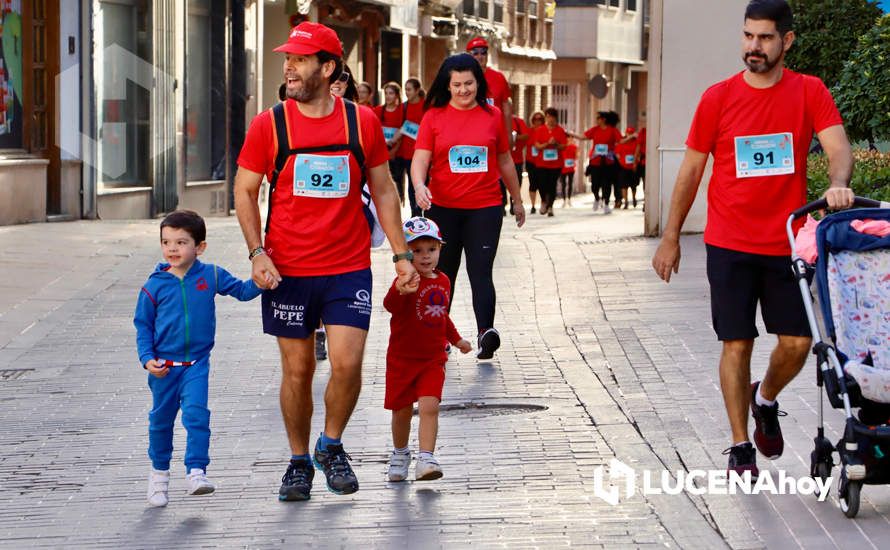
column 641, row 138
column 569, row 159
column 420, row 326
column 390, row 120
column 748, row 214
column 625, row 153
column 532, row 154
column 465, row 145
column 413, row 114
column 498, row 88
column 551, row 157
column 315, row 235
column 603, row 147
column 521, row 129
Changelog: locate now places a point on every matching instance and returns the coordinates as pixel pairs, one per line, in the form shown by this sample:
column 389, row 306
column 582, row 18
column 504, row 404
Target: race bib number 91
column 766, row 155
column 465, row 159
column 321, row 176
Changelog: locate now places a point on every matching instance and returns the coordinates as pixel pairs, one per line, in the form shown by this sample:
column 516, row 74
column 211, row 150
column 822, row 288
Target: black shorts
column 294, row 308
column 739, row 280
column 533, row 183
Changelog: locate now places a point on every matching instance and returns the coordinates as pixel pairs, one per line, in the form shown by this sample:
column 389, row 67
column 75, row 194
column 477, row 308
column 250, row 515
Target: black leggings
column 475, row 232
column 547, row 178
column 567, row 181
column 602, row 179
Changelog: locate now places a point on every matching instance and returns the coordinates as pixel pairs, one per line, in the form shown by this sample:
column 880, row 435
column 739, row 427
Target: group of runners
column 311, row 261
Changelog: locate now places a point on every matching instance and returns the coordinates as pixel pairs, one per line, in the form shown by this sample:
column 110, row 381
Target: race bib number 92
column 321, row 176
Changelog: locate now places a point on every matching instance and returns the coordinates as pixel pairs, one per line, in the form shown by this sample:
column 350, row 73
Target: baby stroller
column 852, row 275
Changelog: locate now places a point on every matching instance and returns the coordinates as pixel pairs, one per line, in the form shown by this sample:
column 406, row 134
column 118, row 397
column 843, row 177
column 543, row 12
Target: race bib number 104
column 468, row 159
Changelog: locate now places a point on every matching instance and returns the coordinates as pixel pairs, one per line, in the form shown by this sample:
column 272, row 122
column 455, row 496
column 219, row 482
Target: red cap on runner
column 477, row 42
column 308, row 38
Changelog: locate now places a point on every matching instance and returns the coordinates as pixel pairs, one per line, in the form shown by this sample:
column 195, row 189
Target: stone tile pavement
column 625, row 366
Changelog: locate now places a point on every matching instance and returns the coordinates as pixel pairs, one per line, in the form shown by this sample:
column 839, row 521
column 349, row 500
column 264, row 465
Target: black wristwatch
column 403, row 256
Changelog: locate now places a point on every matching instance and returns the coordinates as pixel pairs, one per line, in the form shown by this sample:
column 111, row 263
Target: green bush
column 871, row 175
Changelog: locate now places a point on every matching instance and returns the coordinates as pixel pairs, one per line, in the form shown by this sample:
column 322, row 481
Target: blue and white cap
column 418, row 227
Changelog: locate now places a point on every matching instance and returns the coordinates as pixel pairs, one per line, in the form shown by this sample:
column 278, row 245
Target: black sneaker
column 297, row 481
column 533, row 210
column 334, row 462
column 767, row 433
column 489, row 342
column 742, row 458
column 320, row 352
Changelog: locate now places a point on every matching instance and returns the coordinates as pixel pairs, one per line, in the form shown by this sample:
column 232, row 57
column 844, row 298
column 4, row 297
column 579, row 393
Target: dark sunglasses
column 479, row 51
column 344, row 77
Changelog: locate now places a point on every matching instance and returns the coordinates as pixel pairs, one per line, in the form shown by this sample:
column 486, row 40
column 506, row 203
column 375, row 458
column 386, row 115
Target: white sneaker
column 606, row 209
column 198, row 482
column 427, row 469
column 596, row 205
column 398, row 466
column 158, row 485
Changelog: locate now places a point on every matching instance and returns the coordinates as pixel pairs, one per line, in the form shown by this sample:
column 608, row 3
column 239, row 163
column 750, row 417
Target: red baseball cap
column 477, row 42
column 308, row 38
column 629, row 130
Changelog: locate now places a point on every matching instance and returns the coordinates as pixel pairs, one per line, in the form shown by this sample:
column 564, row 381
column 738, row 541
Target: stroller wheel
column 822, row 470
column 848, row 496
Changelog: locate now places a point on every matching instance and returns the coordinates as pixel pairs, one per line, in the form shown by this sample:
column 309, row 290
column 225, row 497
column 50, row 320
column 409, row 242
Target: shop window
column 614, row 3
column 469, row 7
column 532, row 8
column 12, row 104
column 205, row 91
column 123, row 37
column 498, row 11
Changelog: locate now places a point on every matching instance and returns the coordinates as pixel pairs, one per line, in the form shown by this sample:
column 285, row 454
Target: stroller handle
column 822, row 204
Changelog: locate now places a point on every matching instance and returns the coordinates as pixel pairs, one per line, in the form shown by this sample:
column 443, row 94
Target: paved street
column 600, row 360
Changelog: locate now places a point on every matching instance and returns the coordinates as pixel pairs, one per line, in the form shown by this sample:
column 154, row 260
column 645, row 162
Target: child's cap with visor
column 419, row 227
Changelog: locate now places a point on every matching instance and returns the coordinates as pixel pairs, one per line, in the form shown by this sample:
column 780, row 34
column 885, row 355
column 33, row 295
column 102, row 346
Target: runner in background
column 601, row 165
column 498, row 87
column 551, row 139
column 569, row 164
column 640, row 158
column 392, row 115
column 624, row 151
column 365, row 94
column 532, row 156
column 413, row 106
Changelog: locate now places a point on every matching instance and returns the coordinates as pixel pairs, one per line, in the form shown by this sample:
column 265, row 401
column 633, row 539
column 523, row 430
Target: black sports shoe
column 533, row 210
column 297, row 481
column 320, row 352
column 489, row 342
column 742, row 458
column 334, row 462
column 767, row 433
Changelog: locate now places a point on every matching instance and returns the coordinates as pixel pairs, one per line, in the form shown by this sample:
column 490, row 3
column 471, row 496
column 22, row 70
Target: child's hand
column 156, row 369
column 464, row 346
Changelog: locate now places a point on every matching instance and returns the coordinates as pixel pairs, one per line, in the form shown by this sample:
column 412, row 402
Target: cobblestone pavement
column 600, row 360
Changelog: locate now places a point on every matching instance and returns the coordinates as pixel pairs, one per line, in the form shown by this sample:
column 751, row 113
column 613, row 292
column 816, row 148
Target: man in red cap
column 314, row 260
column 498, row 88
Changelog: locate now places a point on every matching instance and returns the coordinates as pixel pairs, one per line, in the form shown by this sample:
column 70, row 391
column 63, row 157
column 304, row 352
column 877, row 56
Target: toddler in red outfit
column 420, row 329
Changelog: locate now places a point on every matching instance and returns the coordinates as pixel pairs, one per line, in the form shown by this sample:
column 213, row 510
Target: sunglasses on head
column 479, row 51
column 344, row 77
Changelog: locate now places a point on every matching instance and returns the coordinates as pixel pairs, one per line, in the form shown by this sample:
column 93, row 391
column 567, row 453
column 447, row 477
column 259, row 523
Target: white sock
column 426, row 454
column 741, row 443
column 402, row 451
column 761, row 400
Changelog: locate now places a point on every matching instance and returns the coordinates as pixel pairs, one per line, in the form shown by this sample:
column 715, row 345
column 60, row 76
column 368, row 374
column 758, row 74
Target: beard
column 309, row 88
column 764, row 66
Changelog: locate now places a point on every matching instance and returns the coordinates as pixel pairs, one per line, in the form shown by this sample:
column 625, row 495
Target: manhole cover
column 12, row 374
column 478, row 410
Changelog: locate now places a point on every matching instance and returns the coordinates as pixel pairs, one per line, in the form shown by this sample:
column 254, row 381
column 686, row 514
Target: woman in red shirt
column 550, row 139
column 531, row 158
column 463, row 146
column 601, row 167
column 392, row 115
column 567, row 178
column 413, row 108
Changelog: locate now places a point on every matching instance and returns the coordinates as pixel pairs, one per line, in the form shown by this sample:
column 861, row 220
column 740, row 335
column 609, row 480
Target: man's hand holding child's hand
column 156, row 369
column 464, row 346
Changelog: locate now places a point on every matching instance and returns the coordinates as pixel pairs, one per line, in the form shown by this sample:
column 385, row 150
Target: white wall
column 696, row 45
column 276, row 30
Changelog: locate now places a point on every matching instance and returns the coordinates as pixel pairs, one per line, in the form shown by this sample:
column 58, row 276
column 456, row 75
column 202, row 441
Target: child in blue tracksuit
column 175, row 326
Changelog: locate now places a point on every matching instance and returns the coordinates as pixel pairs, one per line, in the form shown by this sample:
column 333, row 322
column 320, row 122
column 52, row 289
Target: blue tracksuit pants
column 183, row 388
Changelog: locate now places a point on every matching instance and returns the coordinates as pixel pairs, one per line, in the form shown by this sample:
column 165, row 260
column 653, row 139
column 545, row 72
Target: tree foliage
column 826, row 34
column 863, row 92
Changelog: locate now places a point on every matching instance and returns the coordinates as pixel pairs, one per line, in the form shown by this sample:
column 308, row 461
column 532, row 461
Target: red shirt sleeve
column 703, row 132
column 560, row 135
column 821, row 105
column 258, row 145
column 393, row 300
column 589, row 132
column 372, row 139
column 451, row 332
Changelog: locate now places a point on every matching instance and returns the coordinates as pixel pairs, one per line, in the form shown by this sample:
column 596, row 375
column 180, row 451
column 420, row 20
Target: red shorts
column 406, row 381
